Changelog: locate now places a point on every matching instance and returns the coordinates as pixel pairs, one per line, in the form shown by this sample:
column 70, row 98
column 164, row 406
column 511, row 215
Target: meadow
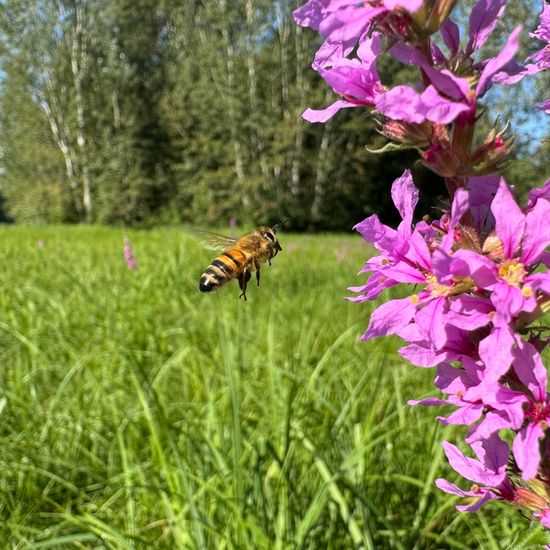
column 138, row 413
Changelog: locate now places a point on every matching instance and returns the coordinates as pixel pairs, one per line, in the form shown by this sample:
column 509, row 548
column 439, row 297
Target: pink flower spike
column 129, row 255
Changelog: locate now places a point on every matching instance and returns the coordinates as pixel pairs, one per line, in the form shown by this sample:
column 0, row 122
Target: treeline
column 168, row 111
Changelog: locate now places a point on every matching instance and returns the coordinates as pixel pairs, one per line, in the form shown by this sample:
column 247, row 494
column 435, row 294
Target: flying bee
column 239, row 257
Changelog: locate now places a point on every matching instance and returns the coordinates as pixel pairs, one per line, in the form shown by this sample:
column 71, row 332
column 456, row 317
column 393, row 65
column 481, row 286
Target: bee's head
column 268, row 233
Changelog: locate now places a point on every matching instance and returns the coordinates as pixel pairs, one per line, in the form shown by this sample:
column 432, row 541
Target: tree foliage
column 140, row 112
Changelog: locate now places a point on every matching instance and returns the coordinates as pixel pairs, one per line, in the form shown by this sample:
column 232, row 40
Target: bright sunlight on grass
column 138, row 413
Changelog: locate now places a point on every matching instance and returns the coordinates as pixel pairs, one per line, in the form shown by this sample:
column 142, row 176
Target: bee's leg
column 244, row 277
column 257, row 267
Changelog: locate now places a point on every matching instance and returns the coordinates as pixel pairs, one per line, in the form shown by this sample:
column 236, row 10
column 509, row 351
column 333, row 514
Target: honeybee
column 239, row 257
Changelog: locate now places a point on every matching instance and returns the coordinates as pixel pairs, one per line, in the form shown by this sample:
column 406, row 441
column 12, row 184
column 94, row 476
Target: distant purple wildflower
column 129, row 255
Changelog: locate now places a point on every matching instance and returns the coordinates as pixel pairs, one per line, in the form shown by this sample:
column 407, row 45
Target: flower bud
column 492, row 247
column 529, row 499
column 439, row 158
column 399, row 25
column 493, row 154
column 408, row 133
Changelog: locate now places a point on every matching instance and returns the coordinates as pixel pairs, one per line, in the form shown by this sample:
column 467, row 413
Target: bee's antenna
column 276, row 226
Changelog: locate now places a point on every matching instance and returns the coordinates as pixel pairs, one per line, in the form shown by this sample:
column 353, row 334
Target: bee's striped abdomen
column 224, row 268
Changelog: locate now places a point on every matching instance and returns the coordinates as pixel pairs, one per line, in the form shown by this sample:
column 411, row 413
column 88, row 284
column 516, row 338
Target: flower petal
column 322, row 115
column 510, row 220
column 431, row 322
column 460, row 205
column 390, row 317
column 401, row 103
column 487, row 495
column 537, row 232
column 405, row 197
column 470, row 468
column 530, row 369
column 465, row 415
column 526, row 449
column 496, row 352
column 491, row 423
column 538, row 193
column 436, row 108
column 483, row 19
column 451, row 35
column 496, row 63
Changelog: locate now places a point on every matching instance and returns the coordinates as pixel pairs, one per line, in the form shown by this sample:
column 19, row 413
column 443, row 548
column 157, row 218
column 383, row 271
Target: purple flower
column 422, row 352
column 480, row 271
column 420, row 255
column 456, row 382
column 129, row 255
column 521, row 240
column 346, row 21
column 491, row 482
column 535, row 410
column 489, row 406
column 539, row 61
column 356, row 80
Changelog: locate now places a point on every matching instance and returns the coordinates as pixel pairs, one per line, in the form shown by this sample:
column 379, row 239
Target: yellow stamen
column 527, row 291
column 512, row 272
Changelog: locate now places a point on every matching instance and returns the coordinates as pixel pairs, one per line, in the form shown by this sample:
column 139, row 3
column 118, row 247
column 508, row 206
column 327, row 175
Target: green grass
column 138, row 413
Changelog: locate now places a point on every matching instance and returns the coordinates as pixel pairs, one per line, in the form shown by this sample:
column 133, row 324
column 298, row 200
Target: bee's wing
column 213, row 241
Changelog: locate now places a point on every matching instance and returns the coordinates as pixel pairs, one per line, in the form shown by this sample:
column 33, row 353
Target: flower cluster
column 479, row 274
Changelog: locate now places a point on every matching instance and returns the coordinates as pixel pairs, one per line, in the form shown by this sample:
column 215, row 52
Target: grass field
column 138, row 413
